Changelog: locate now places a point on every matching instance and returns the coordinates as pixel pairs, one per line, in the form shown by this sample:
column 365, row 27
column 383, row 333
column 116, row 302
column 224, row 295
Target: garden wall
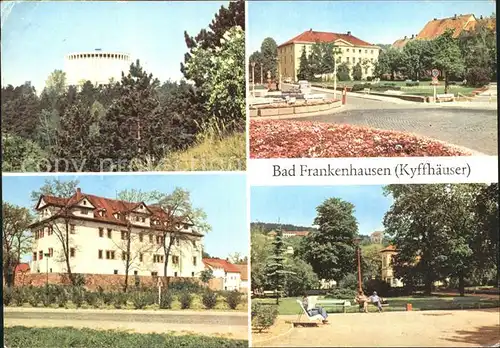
column 290, row 110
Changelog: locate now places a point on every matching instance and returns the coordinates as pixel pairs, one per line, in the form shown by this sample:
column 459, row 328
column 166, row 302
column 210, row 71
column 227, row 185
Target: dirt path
column 460, row 328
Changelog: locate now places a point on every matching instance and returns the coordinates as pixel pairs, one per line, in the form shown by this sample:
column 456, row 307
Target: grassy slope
column 20, row 336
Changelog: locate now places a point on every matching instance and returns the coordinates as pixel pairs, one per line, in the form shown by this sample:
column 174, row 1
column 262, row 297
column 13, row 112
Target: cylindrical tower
column 97, row 67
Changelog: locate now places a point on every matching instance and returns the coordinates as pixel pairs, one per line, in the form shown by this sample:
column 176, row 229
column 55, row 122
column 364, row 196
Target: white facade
column 231, row 280
column 98, row 247
column 97, row 67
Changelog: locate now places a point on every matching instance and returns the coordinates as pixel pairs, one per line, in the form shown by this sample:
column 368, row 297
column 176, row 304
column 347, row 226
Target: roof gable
column 311, row 36
column 438, row 27
column 220, row 263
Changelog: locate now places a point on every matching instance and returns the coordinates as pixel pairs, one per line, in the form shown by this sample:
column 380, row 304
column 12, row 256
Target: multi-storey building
column 99, row 232
column 348, row 49
column 288, row 234
column 377, row 237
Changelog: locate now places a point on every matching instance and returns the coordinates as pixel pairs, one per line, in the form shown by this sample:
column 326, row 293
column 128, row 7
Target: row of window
column 99, row 55
column 40, row 254
column 157, row 258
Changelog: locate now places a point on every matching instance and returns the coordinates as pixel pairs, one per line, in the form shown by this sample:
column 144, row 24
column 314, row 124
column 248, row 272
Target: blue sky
column 37, row 35
column 372, row 21
column 296, row 205
column 222, row 196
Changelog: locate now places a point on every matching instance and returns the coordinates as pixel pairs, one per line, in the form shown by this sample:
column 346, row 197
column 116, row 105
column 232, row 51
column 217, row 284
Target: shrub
column 360, row 86
column 412, row 83
column 7, row 296
column 77, row 296
column 369, row 78
column 209, row 299
column 478, row 76
column 107, row 297
column 350, row 281
column 185, row 299
column 35, row 296
column 186, row 286
column 62, row 298
column 381, row 287
column 342, row 294
column 19, row 296
column 92, row 298
column 142, row 299
column 79, row 279
column 233, row 299
column 166, row 300
column 118, row 299
column 263, row 316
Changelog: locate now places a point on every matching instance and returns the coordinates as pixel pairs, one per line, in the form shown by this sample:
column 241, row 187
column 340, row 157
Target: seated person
column 313, row 310
column 362, row 300
column 377, row 301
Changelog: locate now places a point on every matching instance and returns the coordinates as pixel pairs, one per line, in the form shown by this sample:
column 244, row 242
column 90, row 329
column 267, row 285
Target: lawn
column 289, row 306
column 21, row 336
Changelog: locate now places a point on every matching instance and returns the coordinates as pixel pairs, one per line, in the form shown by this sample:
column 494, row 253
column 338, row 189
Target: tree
column 315, row 59
column 56, row 188
column 371, row 261
column 328, row 62
column 206, row 275
column 301, row 277
column 305, row 70
column 330, row 250
column 16, row 239
column 366, row 64
column 269, row 57
column 21, row 155
column 447, row 57
column 275, row 266
column 389, row 62
column 357, row 72
column 177, row 212
column 256, row 58
column 259, row 254
column 343, row 72
column 416, row 58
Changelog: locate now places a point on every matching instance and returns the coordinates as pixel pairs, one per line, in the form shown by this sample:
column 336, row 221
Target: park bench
column 312, row 319
column 445, row 97
column 366, row 90
column 461, row 301
column 334, row 303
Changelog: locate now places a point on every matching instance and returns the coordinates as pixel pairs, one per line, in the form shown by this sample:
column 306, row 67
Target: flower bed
column 295, row 139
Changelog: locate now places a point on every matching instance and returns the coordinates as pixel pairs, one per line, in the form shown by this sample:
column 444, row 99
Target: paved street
column 210, row 323
column 472, row 128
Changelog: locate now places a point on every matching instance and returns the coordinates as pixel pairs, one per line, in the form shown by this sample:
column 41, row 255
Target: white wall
column 97, row 69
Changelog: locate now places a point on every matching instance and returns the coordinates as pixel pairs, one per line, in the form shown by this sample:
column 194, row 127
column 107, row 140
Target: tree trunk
column 445, row 82
column 428, row 284
column 127, row 260
column 461, row 284
column 166, row 251
column 66, row 251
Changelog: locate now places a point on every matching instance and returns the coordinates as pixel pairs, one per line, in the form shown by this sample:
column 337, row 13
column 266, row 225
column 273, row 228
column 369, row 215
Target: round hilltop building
column 97, row 67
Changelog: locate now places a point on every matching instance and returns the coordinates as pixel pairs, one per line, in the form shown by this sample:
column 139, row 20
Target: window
column 141, row 236
column 84, row 202
column 40, row 255
column 99, row 254
column 354, row 59
column 192, row 274
column 109, row 232
column 154, row 274
column 371, row 51
column 194, row 243
column 72, row 229
column 359, row 51
column 124, row 235
column 72, row 252
column 50, row 230
column 347, row 59
column 186, row 226
column 136, row 273
column 175, row 274
column 50, row 270
column 115, row 271
column 110, row 254
column 347, row 50
column 366, row 51
column 141, row 257
column 101, row 232
column 151, row 238
column 143, row 219
column 158, row 258
column 51, row 252
column 194, row 260
column 175, row 259
column 84, row 211
column 34, row 255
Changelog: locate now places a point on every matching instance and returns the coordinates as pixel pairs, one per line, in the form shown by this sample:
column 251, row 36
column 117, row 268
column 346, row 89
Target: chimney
column 481, row 17
column 455, row 16
column 412, row 36
column 405, row 37
column 349, row 33
column 310, row 29
column 435, row 19
column 78, row 193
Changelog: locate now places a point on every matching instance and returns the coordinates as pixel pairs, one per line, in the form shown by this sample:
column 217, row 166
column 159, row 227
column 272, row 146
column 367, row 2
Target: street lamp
column 357, row 240
column 253, row 78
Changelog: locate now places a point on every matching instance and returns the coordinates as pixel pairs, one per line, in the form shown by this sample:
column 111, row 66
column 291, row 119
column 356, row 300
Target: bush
column 263, row 316
column 233, row 299
column 35, row 296
column 412, row 83
column 350, row 281
column 7, row 296
column 343, row 76
column 209, row 299
column 19, row 296
column 79, row 279
column 77, row 296
column 185, row 299
column 360, row 86
column 186, row 286
column 62, row 298
column 478, row 76
column 369, row 78
column 381, row 287
column 342, row 294
column 92, row 298
column 107, row 297
column 118, row 299
column 166, row 300
column 142, row 299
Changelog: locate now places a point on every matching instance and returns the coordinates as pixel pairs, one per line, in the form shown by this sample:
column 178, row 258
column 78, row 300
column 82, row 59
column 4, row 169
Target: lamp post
column 253, row 78
column 357, row 240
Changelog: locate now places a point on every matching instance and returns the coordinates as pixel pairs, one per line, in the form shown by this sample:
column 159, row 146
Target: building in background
column 244, row 284
column 97, row 230
column 351, row 50
column 98, row 67
column 228, row 274
column 387, row 270
column 288, row 234
column 377, row 237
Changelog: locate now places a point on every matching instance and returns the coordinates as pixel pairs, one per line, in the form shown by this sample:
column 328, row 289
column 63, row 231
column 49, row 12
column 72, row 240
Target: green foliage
column 62, row 298
column 209, row 299
column 77, row 296
column 186, row 299
column 447, row 57
column 21, row 155
column 20, row 336
column 166, row 300
column 206, row 275
column 357, row 72
column 119, row 299
column 259, row 253
column 8, row 295
column 330, row 250
column 349, row 281
column 371, row 261
column 92, row 299
column 233, row 299
column 381, row 287
column 35, row 296
column 269, row 57
column 302, row 279
column 342, row 294
column 141, row 299
column 305, row 71
column 19, row 296
column 275, row 268
column 478, row 76
column 263, row 316
column 343, row 72
column 412, row 83
column 186, row 285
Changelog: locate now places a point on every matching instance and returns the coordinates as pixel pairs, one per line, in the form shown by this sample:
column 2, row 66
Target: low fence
column 291, row 110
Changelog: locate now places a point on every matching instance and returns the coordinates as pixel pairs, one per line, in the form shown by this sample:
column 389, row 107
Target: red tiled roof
column 389, row 248
column 244, row 271
column 220, row 263
column 400, row 43
column 319, row 36
column 298, row 233
column 377, row 233
column 110, row 207
column 22, row 267
column 437, row 27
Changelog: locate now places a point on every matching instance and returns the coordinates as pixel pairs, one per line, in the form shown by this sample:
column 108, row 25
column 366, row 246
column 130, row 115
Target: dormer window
column 84, row 202
column 186, row 226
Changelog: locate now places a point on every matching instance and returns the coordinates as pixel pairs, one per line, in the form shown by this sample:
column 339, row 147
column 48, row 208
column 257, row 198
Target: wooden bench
column 445, row 97
column 334, row 303
column 461, row 301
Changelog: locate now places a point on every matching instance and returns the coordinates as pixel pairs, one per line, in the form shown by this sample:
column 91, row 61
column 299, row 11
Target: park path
column 459, row 328
column 212, row 323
